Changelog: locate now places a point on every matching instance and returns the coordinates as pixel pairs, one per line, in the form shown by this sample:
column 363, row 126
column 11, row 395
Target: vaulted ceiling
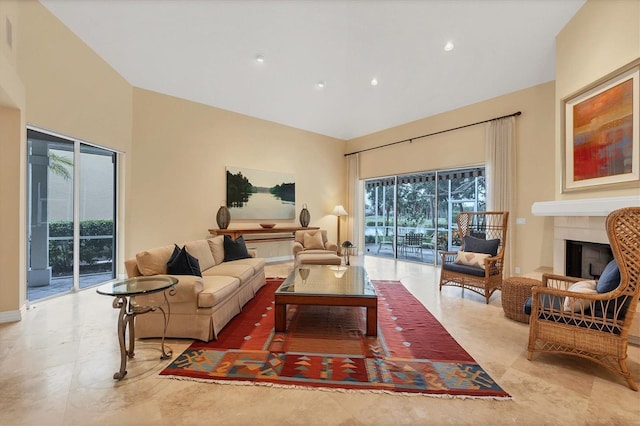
column 207, row 51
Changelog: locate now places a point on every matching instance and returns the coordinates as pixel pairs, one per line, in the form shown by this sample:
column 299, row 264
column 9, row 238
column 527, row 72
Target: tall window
column 413, row 216
column 71, row 214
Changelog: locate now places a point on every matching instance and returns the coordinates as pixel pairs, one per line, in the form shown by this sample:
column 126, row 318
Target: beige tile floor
column 57, row 364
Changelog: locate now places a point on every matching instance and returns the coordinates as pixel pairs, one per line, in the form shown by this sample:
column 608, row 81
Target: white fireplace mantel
column 584, row 207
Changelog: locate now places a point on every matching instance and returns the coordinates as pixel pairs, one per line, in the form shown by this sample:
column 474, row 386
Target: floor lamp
column 339, row 211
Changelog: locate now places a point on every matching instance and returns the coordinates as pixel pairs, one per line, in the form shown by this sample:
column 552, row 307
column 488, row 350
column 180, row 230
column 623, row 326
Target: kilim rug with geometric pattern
column 324, row 347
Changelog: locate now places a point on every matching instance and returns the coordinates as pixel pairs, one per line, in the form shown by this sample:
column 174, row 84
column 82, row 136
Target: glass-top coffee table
column 327, row 286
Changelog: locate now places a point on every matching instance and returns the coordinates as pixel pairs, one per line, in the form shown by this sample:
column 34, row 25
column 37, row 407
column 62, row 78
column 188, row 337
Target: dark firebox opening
column 586, row 259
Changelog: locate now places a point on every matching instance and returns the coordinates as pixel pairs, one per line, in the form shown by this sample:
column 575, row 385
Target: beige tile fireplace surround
column 583, row 220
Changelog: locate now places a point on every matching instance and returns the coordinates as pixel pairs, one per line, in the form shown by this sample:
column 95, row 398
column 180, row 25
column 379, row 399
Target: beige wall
column 603, row 37
column 70, row 89
column 534, row 151
column 8, row 33
column 12, row 164
column 12, row 213
column 178, row 178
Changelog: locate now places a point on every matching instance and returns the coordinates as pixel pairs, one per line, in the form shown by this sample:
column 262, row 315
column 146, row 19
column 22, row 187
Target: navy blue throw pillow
column 234, row 250
column 176, row 252
column 476, row 245
column 182, row 263
column 610, row 278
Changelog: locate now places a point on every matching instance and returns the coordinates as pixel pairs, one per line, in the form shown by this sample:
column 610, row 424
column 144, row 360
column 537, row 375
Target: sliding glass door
column 413, row 216
column 96, row 197
column 71, row 214
column 380, row 221
column 50, row 224
column 417, row 217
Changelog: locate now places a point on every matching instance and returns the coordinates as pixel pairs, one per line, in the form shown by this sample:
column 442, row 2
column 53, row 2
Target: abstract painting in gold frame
column 601, row 133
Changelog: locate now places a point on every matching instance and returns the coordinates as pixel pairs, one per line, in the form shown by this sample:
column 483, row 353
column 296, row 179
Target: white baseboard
column 10, row 316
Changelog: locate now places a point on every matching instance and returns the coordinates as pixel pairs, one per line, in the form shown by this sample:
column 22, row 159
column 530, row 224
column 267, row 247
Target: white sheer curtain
column 501, row 175
column 354, row 201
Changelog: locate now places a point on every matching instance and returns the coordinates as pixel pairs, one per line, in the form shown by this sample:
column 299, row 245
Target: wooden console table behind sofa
column 235, row 233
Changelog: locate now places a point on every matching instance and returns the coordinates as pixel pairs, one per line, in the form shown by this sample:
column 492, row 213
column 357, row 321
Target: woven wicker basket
column 516, row 291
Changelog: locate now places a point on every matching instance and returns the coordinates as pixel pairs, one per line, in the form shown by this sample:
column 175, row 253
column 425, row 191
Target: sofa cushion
column 216, row 245
column 313, row 240
column 234, row 250
column 182, row 263
column 610, row 278
column 314, row 251
column 201, row 251
column 216, row 288
column 576, row 304
column 231, row 269
column 476, row 245
column 257, row 263
column 464, row 269
column 471, row 259
column 549, row 302
column 154, row 261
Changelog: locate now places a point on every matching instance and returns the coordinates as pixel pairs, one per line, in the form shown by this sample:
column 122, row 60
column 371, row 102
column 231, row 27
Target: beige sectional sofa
column 200, row 306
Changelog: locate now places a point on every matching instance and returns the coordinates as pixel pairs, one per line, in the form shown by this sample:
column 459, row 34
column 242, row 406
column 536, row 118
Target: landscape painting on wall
column 260, row 194
column 602, row 133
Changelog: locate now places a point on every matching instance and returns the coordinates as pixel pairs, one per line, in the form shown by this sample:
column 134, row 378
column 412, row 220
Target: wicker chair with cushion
column 478, row 264
column 569, row 316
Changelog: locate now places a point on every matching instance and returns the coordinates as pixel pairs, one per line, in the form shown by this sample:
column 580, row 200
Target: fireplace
column 585, row 259
column 579, row 220
column 584, row 222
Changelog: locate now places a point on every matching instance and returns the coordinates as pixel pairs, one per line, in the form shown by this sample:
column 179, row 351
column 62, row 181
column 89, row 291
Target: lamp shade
column 339, row 211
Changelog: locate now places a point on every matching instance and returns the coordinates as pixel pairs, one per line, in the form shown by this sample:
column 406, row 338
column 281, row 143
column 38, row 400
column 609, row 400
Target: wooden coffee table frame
column 369, row 302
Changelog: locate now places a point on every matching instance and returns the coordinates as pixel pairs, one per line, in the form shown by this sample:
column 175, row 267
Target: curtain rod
column 515, row 114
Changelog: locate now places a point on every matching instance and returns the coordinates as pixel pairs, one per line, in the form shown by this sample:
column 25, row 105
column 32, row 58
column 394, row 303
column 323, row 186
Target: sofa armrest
column 131, row 266
column 187, row 290
column 331, row 246
column 252, row 252
column 560, row 282
column 493, row 265
column 297, row 248
column 448, row 256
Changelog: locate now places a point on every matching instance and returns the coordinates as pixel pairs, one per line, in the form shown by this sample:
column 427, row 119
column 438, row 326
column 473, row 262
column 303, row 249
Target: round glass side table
column 123, row 291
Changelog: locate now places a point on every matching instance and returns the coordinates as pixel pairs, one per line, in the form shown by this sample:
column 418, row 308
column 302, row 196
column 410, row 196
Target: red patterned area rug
column 324, row 347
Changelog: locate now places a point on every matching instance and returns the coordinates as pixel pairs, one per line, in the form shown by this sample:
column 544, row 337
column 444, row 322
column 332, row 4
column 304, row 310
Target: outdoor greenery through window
column 413, row 216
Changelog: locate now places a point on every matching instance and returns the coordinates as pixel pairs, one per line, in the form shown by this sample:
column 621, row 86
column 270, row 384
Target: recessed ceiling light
column 260, row 59
column 320, row 84
column 448, row 47
column 374, row 81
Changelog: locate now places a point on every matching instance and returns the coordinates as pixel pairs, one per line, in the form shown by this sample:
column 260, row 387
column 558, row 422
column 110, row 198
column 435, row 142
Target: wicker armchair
column 600, row 330
column 484, row 279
